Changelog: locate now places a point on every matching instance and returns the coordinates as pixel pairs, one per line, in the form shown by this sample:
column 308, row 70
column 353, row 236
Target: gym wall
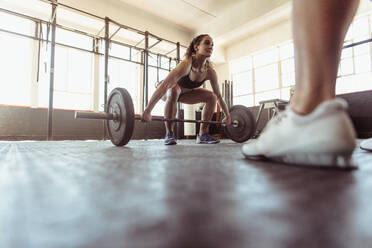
column 360, row 111
column 19, row 123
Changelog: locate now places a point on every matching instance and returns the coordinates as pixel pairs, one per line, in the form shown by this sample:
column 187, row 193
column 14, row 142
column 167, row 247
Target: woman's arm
column 212, row 75
column 172, row 78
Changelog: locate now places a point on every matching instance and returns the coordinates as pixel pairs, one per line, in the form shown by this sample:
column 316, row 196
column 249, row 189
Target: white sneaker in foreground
column 366, row 144
column 325, row 137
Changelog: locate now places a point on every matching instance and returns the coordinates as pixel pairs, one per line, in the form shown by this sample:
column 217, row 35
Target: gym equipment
column 119, row 116
column 120, row 129
column 243, row 124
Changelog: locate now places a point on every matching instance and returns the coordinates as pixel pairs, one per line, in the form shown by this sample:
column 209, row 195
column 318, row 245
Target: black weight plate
column 246, row 126
column 120, row 103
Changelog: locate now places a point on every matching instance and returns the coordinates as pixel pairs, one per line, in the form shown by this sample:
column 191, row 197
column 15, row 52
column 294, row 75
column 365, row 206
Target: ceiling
column 225, row 20
column 190, row 14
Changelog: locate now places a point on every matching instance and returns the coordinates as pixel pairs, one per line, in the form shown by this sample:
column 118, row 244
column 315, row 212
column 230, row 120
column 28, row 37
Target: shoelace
column 169, row 135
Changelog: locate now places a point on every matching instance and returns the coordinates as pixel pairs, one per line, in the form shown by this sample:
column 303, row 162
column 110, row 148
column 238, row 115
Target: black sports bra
column 185, row 82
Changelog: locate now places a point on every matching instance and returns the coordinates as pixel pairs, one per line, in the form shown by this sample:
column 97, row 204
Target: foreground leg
column 319, row 28
column 315, row 129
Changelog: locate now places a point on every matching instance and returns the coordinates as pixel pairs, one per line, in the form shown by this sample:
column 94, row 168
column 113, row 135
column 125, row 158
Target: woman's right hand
column 146, row 116
column 227, row 120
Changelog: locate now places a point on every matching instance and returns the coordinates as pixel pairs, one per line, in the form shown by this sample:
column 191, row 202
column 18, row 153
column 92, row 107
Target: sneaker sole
column 207, row 142
column 170, row 143
column 331, row 161
column 365, row 149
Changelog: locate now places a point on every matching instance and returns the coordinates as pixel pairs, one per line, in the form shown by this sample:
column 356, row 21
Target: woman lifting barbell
column 182, row 85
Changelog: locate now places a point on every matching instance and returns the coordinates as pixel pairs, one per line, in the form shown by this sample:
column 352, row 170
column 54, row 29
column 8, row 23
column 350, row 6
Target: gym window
column 271, row 73
column 15, row 71
column 263, row 75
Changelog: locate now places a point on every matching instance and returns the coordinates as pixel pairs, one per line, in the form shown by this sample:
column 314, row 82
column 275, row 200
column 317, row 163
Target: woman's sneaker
column 325, row 137
column 207, row 139
column 169, row 139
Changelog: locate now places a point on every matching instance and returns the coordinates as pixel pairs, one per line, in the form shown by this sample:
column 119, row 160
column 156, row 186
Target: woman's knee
column 173, row 94
column 211, row 98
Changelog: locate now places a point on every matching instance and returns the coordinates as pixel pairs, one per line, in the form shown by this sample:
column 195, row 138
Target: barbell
column 119, row 116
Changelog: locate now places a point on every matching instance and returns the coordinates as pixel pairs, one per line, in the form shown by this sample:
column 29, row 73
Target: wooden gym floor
column 92, row 194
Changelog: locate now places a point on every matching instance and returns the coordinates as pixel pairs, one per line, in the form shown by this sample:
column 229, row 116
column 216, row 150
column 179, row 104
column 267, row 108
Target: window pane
column 61, row 71
column 362, row 63
column 164, row 63
column 16, row 24
column 242, row 83
column 119, row 51
column 125, row 75
column 243, row 64
column 346, row 53
column 122, row 74
column 346, row 67
column 288, row 79
column 287, row 66
column 361, row 29
column 362, row 49
column 137, row 55
column 265, row 58
column 274, row 94
column 159, row 107
column 15, row 69
column 182, row 52
column 44, row 75
column 81, row 72
column 266, row 78
column 285, row 93
column 286, row 51
column 246, row 100
column 73, row 39
column 73, row 79
column 349, row 34
column 163, row 74
column 153, row 59
column 354, row 83
column 173, row 64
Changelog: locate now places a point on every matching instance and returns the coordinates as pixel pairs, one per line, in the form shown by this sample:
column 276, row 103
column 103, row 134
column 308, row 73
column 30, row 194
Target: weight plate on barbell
column 115, row 109
column 120, row 103
column 243, row 124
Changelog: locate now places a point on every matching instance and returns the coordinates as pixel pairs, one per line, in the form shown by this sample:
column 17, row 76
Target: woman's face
column 205, row 46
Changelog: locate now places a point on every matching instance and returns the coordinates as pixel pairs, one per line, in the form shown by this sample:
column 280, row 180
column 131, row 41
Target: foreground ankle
column 305, row 104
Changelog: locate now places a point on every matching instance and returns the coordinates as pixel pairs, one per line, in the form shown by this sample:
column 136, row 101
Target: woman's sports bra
column 185, row 82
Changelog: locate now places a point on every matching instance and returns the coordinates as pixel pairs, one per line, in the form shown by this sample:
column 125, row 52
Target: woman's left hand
column 227, row 120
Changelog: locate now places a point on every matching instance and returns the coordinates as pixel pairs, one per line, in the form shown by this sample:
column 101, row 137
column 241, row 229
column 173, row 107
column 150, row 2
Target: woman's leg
column 170, row 110
column 201, row 95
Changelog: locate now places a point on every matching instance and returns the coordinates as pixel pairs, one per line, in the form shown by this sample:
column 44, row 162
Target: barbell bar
column 115, row 117
column 119, row 117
